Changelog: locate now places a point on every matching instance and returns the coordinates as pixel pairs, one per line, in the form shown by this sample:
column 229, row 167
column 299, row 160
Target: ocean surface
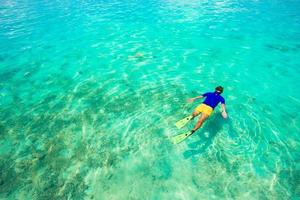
column 90, row 92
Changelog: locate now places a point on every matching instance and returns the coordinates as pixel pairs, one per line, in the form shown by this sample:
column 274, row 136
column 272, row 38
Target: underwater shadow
column 212, row 126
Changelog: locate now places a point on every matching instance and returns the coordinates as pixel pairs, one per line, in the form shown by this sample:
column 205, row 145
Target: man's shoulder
column 222, row 99
column 206, row 93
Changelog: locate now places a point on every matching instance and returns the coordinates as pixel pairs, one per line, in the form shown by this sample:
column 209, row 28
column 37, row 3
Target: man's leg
column 195, row 114
column 200, row 122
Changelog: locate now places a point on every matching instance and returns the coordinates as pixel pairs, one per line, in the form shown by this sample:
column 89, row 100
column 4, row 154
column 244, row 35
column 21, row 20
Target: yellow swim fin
column 179, row 138
column 183, row 122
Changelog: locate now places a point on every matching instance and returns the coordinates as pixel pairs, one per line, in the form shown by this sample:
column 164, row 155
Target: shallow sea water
column 90, row 91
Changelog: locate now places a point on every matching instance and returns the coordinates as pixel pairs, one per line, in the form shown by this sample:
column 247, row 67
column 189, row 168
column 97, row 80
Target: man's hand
column 224, row 114
column 191, row 100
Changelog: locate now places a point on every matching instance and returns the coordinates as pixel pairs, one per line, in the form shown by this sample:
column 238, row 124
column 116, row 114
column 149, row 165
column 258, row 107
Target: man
column 212, row 99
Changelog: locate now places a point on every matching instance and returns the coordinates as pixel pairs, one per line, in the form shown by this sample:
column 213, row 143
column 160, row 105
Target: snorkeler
column 212, row 99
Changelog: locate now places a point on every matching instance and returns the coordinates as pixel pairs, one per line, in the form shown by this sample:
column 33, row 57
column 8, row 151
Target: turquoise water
column 90, row 91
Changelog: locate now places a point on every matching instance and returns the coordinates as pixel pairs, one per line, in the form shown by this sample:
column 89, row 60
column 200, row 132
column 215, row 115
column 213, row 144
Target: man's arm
column 193, row 99
column 224, row 114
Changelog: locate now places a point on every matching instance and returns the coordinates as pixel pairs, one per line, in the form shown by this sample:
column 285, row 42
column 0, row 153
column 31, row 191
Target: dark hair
column 220, row 89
